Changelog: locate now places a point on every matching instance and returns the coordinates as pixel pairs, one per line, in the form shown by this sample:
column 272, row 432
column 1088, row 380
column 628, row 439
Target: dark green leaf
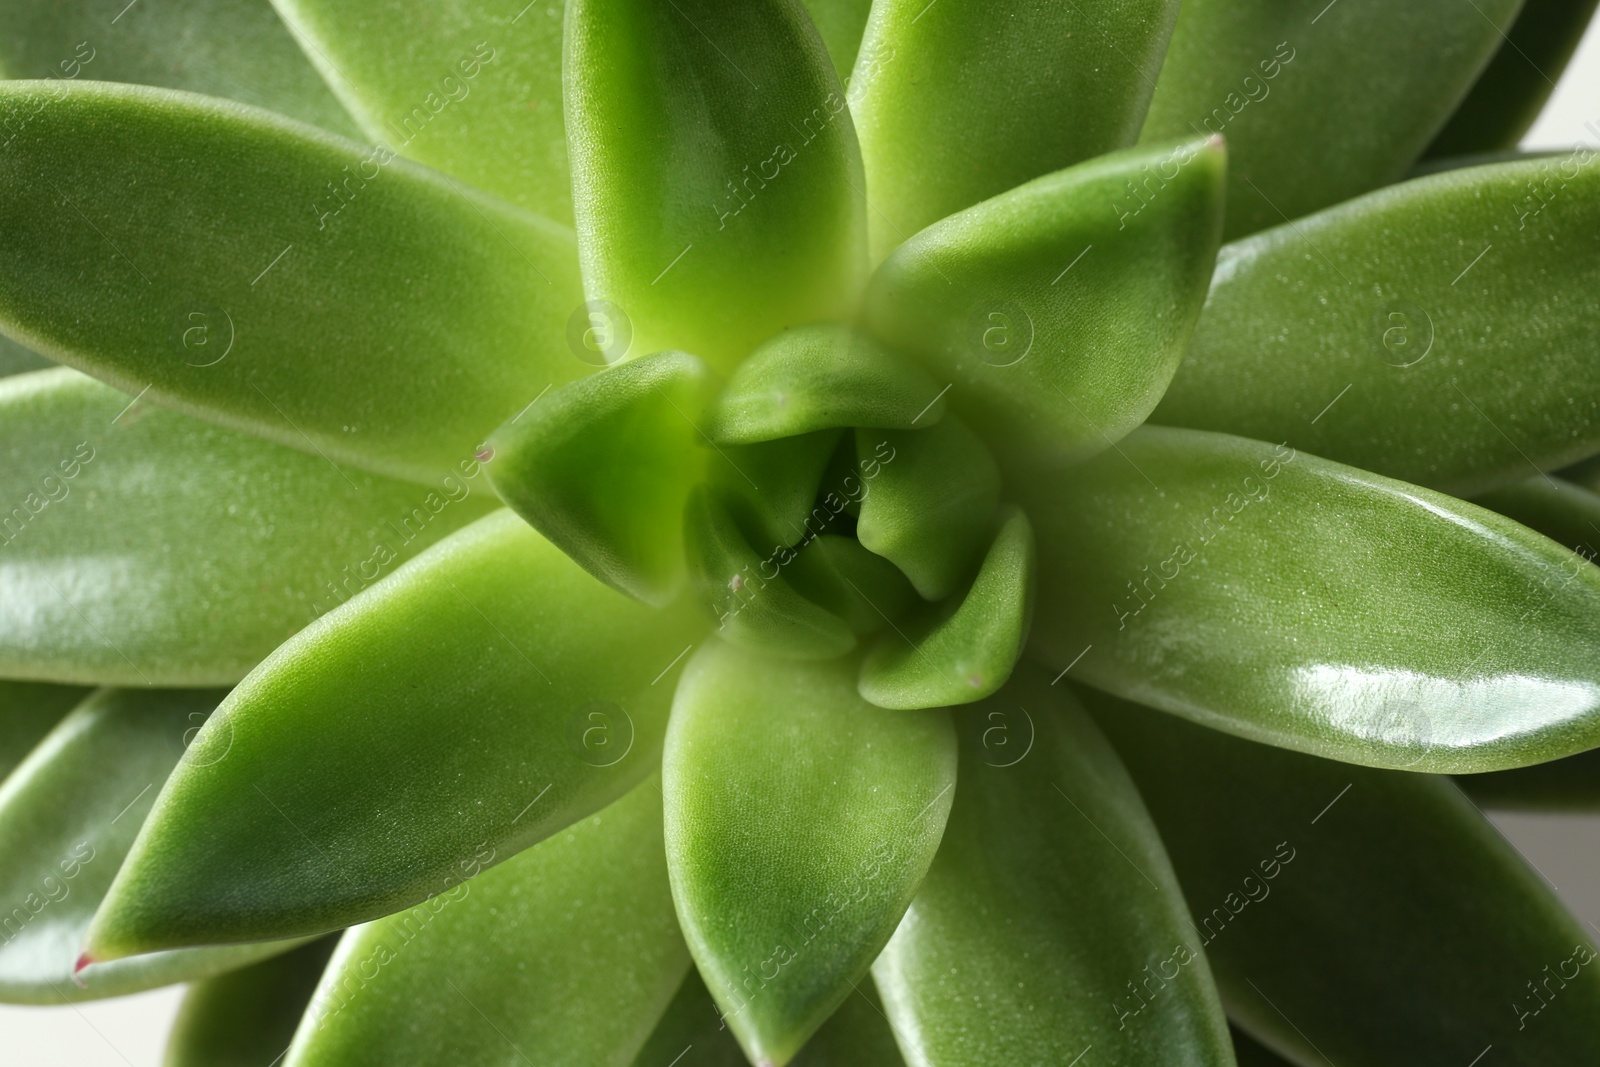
column 1509, row 94
column 1251, row 1053
column 603, row 467
column 1560, row 510
column 260, row 274
column 799, row 821
column 965, row 651
column 18, row 359
column 714, row 169
column 563, row 957
column 246, row 1018
column 1319, row 102
column 1571, row 784
column 68, row 815
column 480, row 699
column 1360, row 917
column 28, row 711
column 471, row 87
column 1050, row 904
column 862, row 588
column 1307, row 604
column 233, row 48
column 1439, row 331
column 822, row 378
column 144, row 547
column 1057, row 312
column 1022, row 89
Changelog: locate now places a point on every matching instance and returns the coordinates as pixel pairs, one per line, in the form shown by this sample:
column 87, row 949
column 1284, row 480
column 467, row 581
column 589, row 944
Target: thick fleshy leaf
column 1361, row 917
column 862, row 588
column 1440, row 331
column 246, row 1018
column 563, row 957
column 771, row 488
column 799, row 821
column 1307, row 604
column 965, row 650
column 751, row 607
column 476, row 701
column 28, row 711
column 1562, row 511
column 233, row 48
column 1049, row 904
column 144, row 547
column 604, row 466
column 692, row 1034
column 931, row 509
column 67, row 817
column 1571, row 784
column 1354, row 100
column 822, row 377
column 841, row 23
column 324, row 295
column 1510, row 92
column 1023, row 89
column 1057, row 312
column 715, row 171
column 470, row 87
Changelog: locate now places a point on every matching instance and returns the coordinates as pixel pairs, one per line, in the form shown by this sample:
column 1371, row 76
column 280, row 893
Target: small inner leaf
column 930, row 509
column 602, row 467
column 859, row 586
column 962, row 652
column 823, row 377
column 771, row 488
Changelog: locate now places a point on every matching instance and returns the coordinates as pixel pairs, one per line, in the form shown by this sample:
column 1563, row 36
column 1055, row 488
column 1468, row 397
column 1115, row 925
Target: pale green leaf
column 478, row 700
column 139, row 546
column 841, row 23
column 1302, row 603
column 800, row 820
column 273, row 278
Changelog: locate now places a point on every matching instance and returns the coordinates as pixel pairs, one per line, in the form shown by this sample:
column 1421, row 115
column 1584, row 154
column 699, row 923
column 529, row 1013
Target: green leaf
column 1302, row 603
column 1049, row 904
column 470, row 87
column 822, row 377
column 1360, row 917
column 1023, row 89
column 1353, row 100
column 1440, row 331
column 862, row 588
column 715, row 171
column 564, row 957
column 18, row 359
column 67, row 817
column 771, row 489
column 1512, row 90
column 1560, row 510
column 841, row 23
column 603, row 468
column 28, row 711
column 856, row 1035
column 269, row 277
column 1057, row 312
column 139, row 546
column 965, row 650
column 247, row 1017
column 1571, row 784
column 480, row 699
column 785, row 901
column 751, row 607
column 232, row 48
column 931, row 508
column 1251, row 1053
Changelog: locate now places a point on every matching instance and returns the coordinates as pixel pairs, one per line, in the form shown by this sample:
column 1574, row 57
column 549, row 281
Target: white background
column 130, row 1031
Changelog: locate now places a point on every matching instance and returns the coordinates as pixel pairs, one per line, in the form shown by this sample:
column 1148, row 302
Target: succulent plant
column 698, row 532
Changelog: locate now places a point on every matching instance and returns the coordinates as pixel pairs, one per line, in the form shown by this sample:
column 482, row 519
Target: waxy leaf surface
column 1441, row 330
column 1432, row 939
column 565, row 956
column 480, row 699
column 140, row 546
column 1057, row 312
column 247, row 1017
column 237, row 49
column 799, row 821
column 470, row 87
column 1298, row 602
column 1023, row 88
column 1319, row 103
column 714, row 169
column 67, row 817
column 273, row 278
column 1050, row 899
